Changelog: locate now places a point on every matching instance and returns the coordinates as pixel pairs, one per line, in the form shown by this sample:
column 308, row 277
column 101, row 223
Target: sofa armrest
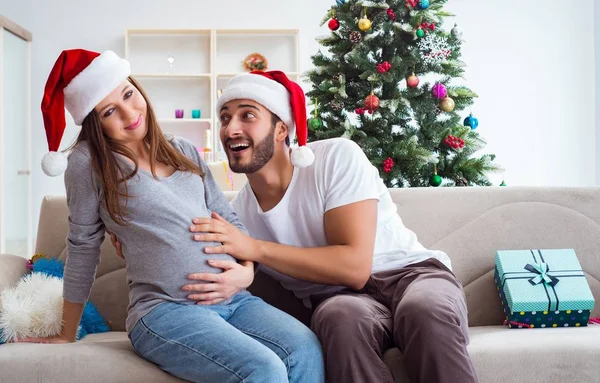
column 12, row 268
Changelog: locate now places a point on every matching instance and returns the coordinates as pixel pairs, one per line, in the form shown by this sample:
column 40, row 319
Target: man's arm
column 350, row 232
column 347, row 261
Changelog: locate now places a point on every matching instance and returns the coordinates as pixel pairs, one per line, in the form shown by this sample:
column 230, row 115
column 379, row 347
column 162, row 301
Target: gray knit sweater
column 157, row 244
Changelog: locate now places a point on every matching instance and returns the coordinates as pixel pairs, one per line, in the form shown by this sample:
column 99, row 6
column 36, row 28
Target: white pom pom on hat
column 276, row 92
column 78, row 81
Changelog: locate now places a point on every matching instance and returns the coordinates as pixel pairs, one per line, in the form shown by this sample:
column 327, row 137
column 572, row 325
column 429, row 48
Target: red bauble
column 334, row 24
column 412, row 81
column 371, row 102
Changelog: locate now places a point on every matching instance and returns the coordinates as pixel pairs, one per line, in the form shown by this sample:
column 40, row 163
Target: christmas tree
column 392, row 81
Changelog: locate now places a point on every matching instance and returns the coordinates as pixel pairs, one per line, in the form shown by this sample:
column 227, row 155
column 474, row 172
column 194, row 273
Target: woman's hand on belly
column 219, row 287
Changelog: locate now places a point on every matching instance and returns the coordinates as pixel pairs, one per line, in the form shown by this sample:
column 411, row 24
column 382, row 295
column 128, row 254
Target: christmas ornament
column 454, row 142
column 391, row 14
column 364, row 24
column 471, row 122
column 447, row 104
column 456, row 32
column 336, row 105
column 340, row 2
column 371, row 102
column 461, row 181
column 355, row 37
column 434, row 49
column 315, row 123
column 384, row 67
column 439, row 91
column 412, row 81
column 423, row 4
column 334, row 24
column 388, row 164
column 255, row 61
column 435, row 180
column 420, row 32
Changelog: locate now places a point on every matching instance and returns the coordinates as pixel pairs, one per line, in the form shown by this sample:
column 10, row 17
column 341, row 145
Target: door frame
column 24, row 34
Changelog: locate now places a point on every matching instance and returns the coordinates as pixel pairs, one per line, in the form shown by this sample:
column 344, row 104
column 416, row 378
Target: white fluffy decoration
column 54, row 163
column 33, row 308
column 302, row 157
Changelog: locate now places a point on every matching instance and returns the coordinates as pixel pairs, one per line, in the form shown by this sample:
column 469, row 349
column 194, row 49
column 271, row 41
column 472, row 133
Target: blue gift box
column 542, row 288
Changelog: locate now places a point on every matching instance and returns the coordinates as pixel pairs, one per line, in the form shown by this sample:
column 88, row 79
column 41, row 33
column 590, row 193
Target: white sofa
column 470, row 224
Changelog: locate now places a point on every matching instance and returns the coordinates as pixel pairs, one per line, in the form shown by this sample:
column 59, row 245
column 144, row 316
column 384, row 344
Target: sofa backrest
column 469, row 224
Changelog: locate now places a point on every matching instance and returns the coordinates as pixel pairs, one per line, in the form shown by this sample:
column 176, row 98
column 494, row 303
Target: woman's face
column 123, row 114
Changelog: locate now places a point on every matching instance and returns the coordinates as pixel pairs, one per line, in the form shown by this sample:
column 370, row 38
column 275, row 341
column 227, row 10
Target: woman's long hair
column 105, row 164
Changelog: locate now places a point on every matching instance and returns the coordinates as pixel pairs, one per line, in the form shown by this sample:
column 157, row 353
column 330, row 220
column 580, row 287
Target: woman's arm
column 86, row 234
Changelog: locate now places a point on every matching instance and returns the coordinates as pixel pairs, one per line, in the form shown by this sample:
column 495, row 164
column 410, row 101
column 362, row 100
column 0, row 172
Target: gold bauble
column 447, row 104
column 364, row 24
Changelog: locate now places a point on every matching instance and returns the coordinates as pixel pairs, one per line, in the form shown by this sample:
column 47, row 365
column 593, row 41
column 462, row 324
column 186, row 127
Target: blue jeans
column 246, row 341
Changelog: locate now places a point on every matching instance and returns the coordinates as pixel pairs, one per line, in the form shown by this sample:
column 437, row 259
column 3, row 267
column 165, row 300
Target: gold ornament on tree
column 364, row 24
column 447, row 104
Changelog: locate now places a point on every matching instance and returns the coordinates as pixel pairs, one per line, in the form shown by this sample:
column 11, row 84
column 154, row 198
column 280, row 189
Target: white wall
column 596, row 106
column 532, row 67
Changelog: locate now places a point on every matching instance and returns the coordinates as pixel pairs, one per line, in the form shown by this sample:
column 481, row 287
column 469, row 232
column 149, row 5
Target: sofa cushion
column 106, row 357
column 503, row 355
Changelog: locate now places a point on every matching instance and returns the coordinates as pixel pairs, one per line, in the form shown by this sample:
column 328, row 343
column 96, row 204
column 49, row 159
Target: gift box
column 542, row 288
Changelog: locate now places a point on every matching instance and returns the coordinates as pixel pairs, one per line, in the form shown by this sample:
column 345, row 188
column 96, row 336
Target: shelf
column 257, row 31
column 280, row 50
column 170, row 75
column 172, row 51
column 168, row 32
column 225, row 75
column 185, row 120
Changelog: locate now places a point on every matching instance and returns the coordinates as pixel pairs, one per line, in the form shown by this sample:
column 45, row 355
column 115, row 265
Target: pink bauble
column 439, row 91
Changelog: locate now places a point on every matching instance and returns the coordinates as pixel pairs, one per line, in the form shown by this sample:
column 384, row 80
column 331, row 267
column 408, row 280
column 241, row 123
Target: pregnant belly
column 165, row 270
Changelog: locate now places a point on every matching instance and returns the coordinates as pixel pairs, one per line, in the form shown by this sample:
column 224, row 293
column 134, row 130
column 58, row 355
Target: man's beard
column 261, row 154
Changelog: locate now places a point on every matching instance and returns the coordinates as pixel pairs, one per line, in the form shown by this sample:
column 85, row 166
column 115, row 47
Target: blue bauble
column 340, row 2
column 471, row 122
column 423, row 4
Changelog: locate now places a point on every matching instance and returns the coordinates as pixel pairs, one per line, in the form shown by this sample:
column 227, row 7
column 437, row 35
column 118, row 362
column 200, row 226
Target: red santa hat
column 276, row 92
column 79, row 80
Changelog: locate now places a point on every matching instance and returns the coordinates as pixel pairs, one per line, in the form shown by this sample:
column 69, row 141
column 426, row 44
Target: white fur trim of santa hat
column 270, row 94
column 94, row 83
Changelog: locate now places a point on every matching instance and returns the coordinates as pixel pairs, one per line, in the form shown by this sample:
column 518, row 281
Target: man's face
column 247, row 134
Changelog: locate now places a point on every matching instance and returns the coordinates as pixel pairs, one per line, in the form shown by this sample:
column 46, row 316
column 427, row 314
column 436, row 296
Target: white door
column 14, row 145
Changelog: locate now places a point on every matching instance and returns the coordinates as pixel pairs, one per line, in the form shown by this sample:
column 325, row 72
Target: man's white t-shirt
column 340, row 175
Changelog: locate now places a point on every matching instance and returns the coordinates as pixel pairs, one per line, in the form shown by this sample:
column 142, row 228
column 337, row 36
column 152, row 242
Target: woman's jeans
column 246, row 341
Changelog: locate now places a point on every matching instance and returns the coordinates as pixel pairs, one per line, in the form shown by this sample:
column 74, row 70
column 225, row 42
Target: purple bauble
column 439, row 91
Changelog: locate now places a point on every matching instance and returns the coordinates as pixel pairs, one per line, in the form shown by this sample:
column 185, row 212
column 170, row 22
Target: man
column 323, row 223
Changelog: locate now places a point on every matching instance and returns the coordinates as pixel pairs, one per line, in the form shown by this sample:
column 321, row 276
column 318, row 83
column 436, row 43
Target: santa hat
column 79, row 80
column 276, row 92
